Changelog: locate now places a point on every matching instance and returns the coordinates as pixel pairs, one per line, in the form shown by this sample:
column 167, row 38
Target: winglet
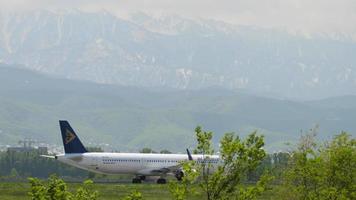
column 189, row 155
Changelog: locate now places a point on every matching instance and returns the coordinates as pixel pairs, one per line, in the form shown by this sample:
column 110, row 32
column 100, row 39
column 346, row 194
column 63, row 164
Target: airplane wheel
column 142, row 178
column 161, row 181
column 136, row 180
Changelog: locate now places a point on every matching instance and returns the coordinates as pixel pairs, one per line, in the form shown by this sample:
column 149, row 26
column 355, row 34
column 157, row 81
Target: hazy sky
column 310, row 16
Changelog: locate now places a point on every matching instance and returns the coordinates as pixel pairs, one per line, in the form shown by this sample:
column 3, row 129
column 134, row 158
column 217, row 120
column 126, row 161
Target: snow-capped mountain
column 176, row 52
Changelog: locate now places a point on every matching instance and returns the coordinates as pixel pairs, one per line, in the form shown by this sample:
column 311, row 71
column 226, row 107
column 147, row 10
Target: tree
column 340, row 162
column 86, row 192
column 14, row 173
column 237, row 158
column 57, row 189
column 323, row 171
column 38, row 191
column 205, row 148
column 180, row 190
column 32, row 164
column 147, row 150
column 165, row 151
column 94, row 149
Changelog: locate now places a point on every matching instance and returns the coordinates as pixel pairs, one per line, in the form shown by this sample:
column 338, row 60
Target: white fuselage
column 131, row 163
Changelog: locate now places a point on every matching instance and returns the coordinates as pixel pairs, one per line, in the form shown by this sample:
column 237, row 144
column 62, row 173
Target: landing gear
column 161, row 181
column 142, row 178
column 136, row 180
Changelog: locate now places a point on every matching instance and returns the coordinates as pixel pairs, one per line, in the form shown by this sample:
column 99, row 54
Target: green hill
column 129, row 118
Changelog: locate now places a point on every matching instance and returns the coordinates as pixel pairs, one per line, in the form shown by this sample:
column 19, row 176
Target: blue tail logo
column 69, row 136
column 71, row 141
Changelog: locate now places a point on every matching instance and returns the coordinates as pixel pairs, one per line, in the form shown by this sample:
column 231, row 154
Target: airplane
column 138, row 164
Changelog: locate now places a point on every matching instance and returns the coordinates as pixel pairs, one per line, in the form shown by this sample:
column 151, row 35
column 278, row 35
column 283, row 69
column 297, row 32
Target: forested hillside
column 129, row 118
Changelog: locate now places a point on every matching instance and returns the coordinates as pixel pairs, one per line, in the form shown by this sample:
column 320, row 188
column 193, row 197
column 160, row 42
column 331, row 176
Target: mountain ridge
column 103, row 48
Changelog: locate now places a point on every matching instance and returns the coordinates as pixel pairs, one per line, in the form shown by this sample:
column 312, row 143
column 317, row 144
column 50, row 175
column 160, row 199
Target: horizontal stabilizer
column 48, row 156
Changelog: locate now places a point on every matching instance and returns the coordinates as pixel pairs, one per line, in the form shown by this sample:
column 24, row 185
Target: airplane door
column 94, row 163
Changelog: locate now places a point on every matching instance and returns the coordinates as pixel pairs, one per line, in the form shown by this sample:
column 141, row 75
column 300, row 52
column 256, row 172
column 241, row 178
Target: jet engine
column 179, row 174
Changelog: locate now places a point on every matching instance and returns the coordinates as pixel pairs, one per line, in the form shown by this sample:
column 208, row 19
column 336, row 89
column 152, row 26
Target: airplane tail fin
column 71, row 141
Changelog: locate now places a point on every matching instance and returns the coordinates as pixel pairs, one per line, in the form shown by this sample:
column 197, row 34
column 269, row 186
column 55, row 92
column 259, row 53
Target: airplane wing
column 166, row 170
column 160, row 171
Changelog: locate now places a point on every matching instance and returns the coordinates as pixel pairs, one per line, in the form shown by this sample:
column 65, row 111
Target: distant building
column 19, row 149
column 27, row 147
column 43, row 150
column 40, row 150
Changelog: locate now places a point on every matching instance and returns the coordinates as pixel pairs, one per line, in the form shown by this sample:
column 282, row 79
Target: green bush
column 56, row 189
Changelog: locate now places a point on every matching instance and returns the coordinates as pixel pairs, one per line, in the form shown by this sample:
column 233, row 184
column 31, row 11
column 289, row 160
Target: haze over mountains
column 130, row 118
column 148, row 81
column 175, row 52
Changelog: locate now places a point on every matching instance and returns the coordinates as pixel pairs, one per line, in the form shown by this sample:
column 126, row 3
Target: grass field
column 19, row 190
column 107, row 191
